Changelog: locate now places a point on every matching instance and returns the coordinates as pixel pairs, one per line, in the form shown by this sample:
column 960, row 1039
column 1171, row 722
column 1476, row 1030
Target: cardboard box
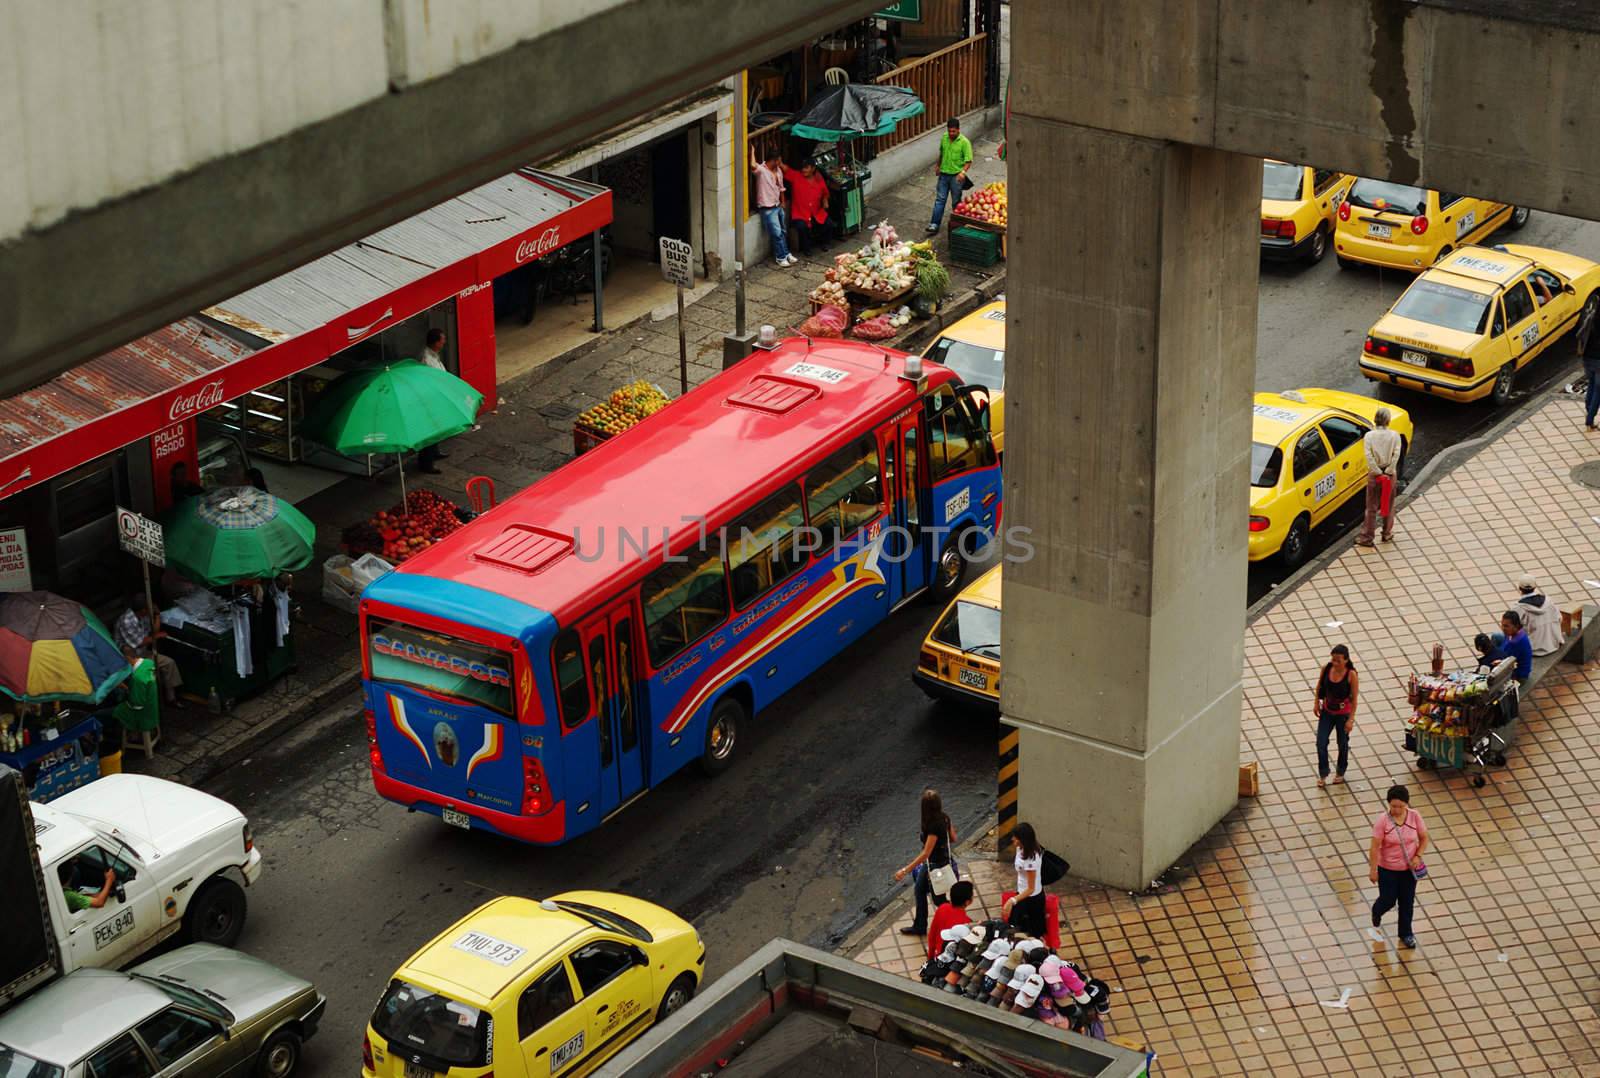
column 1571, row 619
column 1249, row 780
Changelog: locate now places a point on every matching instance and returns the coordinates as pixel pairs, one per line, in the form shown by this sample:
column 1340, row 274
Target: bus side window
column 843, row 493
column 683, row 600
column 572, row 687
column 602, row 692
column 762, row 547
column 955, row 439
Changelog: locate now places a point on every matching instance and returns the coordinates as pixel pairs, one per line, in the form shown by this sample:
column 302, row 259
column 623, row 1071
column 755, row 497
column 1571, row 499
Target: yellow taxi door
column 1460, row 216
column 1523, row 331
column 1315, row 482
column 1557, row 309
column 615, row 980
column 1343, row 435
column 552, row 1030
column 1328, row 188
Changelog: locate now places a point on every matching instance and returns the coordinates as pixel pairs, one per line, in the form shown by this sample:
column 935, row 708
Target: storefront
column 209, row 398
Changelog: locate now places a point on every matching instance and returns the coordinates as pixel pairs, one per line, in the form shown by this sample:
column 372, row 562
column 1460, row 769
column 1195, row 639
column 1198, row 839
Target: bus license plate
column 1416, row 359
column 417, row 1070
column 1380, row 232
column 973, row 678
column 456, row 819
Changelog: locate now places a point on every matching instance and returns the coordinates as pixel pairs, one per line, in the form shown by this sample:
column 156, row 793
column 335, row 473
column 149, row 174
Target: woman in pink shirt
column 1398, row 839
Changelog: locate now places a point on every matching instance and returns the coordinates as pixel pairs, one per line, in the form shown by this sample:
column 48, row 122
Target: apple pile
column 424, row 519
column 986, row 203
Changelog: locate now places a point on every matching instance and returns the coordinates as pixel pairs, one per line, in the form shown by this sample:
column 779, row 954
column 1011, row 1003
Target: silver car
column 200, row 1011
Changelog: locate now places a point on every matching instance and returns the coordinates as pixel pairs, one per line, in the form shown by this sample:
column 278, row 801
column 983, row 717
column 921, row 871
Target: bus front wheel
column 722, row 734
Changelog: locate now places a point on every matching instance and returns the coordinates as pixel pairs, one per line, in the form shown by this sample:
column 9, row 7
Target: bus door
column 905, row 548
column 610, row 652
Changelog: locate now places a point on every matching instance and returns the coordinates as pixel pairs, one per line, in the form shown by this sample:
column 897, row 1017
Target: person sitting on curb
column 1518, row 646
column 1539, row 615
column 952, row 913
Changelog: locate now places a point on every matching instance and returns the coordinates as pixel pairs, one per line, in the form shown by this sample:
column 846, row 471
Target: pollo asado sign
column 436, row 659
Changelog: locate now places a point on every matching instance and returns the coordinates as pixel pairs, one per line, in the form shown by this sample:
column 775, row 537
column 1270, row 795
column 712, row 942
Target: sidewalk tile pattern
column 1233, row 972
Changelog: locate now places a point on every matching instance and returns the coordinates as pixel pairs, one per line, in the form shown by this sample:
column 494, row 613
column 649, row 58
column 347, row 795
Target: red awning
column 294, row 322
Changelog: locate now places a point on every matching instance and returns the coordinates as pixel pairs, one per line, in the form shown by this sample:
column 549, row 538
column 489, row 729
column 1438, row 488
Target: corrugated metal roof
column 156, row 362
column 317, row 293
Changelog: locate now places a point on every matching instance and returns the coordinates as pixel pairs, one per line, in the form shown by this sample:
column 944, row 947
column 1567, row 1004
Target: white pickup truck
column 178, row 856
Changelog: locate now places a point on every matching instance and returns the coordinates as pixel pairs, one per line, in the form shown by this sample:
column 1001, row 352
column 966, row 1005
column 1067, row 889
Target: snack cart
column 1465, row 720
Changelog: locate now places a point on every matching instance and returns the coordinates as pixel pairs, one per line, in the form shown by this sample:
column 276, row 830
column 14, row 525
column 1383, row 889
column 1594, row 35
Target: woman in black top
column 938, row 836
column 1335, row 709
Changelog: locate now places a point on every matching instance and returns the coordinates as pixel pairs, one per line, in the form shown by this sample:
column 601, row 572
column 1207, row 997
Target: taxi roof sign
column 1485, row 264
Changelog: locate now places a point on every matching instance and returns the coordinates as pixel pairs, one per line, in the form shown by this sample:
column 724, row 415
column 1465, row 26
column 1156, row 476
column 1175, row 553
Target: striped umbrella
column 53, row 648
column 237, row 533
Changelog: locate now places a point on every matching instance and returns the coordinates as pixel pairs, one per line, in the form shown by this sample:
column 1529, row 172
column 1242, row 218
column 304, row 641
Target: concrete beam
column 1494, row 97
column 102, row 276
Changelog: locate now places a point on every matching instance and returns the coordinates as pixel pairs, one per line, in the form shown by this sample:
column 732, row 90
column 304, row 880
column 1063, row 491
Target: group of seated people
column 1531, row 627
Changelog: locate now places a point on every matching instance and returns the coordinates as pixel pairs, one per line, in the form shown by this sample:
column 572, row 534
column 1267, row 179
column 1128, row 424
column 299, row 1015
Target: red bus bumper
column 546, row 830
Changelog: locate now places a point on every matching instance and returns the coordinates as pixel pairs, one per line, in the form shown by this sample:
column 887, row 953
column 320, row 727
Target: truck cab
column 176, row 859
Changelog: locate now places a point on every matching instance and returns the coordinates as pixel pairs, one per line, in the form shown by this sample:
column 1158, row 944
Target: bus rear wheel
column 722, row 735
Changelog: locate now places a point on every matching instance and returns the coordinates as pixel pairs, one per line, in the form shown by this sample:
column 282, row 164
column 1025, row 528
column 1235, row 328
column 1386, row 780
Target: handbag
column 942, row 877
column 1421, row 871
column 967, row 184
column 1052, row 866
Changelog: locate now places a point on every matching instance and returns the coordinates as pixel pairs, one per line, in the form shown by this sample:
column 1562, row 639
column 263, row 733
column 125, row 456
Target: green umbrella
column 393, row 409
column 237, row 533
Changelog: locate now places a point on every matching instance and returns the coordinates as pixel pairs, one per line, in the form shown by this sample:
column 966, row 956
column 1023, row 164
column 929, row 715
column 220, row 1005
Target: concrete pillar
column 1130, row 363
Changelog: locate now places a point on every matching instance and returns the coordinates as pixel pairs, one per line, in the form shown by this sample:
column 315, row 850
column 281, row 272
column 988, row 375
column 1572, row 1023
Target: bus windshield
column 440, row 663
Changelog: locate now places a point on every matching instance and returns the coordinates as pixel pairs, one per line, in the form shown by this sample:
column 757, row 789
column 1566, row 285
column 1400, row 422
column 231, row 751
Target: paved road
column 799, row 839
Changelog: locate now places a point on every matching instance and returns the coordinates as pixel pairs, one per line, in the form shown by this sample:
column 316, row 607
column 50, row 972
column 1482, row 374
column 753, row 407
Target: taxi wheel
column 1296, row 543
column 722, row 734
column 280, row 1056
column 217, row 913
column 1317, row 248
column 1503, row 383
column 681, row 992
column 1519, row 217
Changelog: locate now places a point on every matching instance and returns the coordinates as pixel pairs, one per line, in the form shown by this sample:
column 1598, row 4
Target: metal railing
column 949, row 82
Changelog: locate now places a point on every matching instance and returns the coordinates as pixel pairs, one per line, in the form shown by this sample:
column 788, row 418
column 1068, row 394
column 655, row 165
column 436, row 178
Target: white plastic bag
column 344, row 578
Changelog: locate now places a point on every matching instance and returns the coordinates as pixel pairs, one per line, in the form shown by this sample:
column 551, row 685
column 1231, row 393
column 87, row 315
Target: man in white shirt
column 1540, row 618
column 1382, row 448
column 433, row 355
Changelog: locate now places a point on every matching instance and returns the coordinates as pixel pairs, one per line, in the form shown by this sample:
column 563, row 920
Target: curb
column 892, row 905
column 963, row 304
column 207, row 768
column 1439, row 465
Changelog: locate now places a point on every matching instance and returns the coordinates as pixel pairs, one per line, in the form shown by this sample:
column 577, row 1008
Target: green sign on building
column 905, row 11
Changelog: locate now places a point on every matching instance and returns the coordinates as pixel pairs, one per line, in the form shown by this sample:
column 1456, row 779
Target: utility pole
column 739, row 343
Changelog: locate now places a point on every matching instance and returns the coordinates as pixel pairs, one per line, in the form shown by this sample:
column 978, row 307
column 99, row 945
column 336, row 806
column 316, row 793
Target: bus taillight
column 372, row 740
column 534, row 799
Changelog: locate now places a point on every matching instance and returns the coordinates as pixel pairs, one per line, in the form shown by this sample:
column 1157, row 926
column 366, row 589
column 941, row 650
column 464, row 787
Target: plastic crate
column 974, row 246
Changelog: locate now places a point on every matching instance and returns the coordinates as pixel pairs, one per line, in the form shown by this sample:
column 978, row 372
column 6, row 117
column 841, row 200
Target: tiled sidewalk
column 1232, row 973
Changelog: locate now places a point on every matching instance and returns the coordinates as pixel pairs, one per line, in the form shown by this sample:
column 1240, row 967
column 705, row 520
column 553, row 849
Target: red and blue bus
column 626, row 615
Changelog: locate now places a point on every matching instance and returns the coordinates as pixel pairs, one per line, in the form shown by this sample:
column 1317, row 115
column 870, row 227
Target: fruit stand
column 978, row 225
column 867, row 287
column 624, row 408
column 400, row 531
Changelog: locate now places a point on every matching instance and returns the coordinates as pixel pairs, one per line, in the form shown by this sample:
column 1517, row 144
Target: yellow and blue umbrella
column 53, row 648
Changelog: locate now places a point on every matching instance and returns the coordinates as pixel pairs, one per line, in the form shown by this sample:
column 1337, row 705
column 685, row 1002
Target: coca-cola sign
column 547, row 241
column 192, row 403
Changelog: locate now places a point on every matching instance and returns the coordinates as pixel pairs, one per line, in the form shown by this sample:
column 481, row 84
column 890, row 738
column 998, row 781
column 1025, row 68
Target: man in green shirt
column 955, row 157
column 77, row 901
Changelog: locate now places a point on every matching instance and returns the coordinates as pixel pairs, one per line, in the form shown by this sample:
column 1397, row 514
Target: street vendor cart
column 1465, row 720
column 54, row 752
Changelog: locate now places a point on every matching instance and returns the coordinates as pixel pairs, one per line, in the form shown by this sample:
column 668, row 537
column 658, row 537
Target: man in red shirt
column 808, row 205
column 952, row 913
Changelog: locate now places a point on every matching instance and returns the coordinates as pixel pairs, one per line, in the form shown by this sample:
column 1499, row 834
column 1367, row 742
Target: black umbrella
column 852, row 109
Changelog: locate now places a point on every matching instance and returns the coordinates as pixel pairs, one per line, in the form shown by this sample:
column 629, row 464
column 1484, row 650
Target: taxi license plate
column 1416, row 359
column 1380, row 232
column 417, row 1070
column 972, row 678
column 454, row 819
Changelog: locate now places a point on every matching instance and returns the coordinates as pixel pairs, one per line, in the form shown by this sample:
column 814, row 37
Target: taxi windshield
column 1383, row 195
column 1266, row 463
column 415, row 1020
column 1444, row 305
column 14, row 1064
column 972, row 627
column 1280, row 181
column 608, row 920
column 976, row 365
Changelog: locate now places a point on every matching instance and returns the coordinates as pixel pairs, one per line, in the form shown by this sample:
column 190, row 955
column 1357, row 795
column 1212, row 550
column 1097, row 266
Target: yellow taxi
column 1400, row 226
column 975, row 348
column 1467, row 325
column 1307, row 460
column 1298, row 207
column 519, row 988
column 960, row 660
